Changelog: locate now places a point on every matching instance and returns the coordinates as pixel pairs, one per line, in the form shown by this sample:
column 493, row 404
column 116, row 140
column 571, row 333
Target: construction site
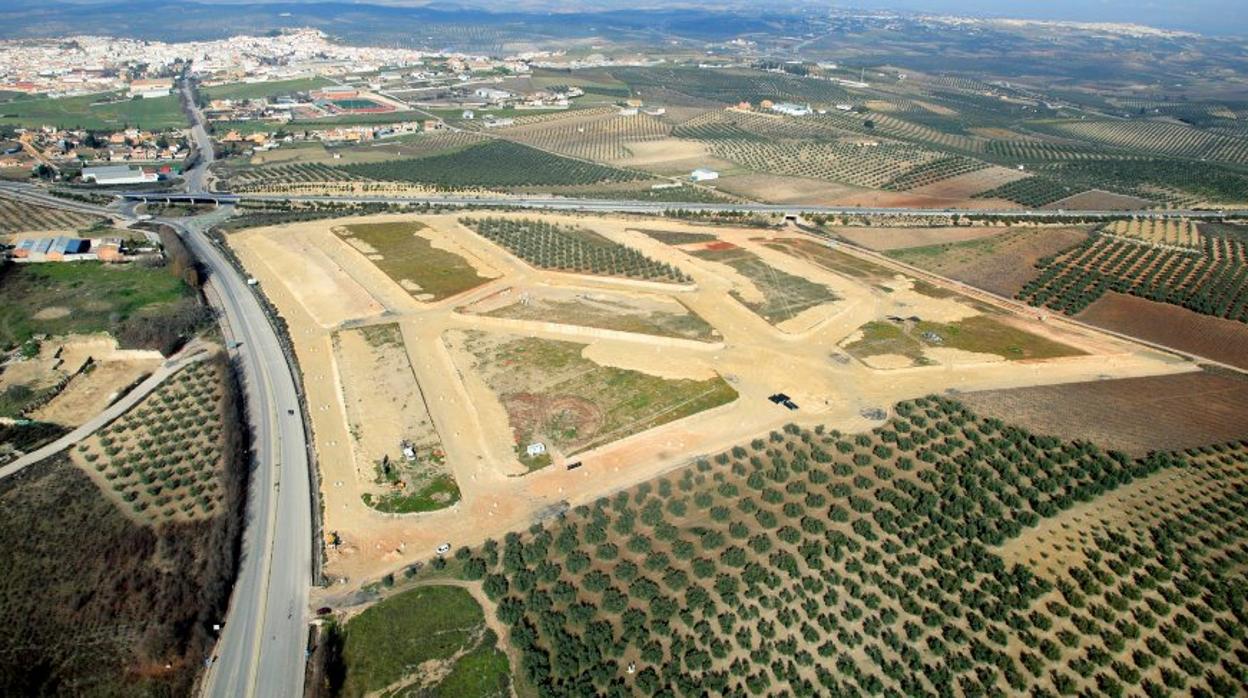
column 468, row 376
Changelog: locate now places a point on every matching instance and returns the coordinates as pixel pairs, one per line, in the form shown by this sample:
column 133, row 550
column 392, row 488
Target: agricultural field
column 1200, row 408
column 1172, row 326
column 1157, row 137
column 164, row 459
column 1208, row 279
column 729, row 86
column 812, row 562
column 428, row 273
column 101, row 112
column 1177, row 183
column 555, row 395
column 493, row 164
column 1168, row 232
column 572, row 249
column 780, row 295
column 446, row 647
column 268, row 177
column 587, row 134
column 1001, row 263
column 1032, row 192
column 19, row 216
column 637, row 313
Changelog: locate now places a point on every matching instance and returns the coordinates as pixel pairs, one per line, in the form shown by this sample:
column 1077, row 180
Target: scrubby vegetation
column 99, row 604
column 817, row 563
column 574, row 249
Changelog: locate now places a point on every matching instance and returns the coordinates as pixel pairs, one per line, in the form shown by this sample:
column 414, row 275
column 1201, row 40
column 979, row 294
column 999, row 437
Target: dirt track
column 319, row 282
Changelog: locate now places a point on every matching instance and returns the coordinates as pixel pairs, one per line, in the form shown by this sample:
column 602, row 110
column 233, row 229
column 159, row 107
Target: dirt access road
column 320, row 284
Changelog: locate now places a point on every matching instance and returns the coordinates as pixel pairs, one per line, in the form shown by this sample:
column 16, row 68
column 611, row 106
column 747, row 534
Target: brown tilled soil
column 1183, row 329
column 899, row 238
column 1135, row 415
column 1000, row 264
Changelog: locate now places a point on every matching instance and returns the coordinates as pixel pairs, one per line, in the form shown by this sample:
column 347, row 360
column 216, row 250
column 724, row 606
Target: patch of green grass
column 986, row 335
column 94, row 111
column 880, row 337
column 438, row 493
column 406, row 256
column 981, row 334
column 98, row 297
column 259, row 90
column 482, row 673
column 389, row 641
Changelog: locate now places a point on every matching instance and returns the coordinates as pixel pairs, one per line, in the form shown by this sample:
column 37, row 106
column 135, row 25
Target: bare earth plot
column 630, row 377
column 638, row 313
column 880, row 239
column 1204, row 335
column 399, row 457
column 1198, row 408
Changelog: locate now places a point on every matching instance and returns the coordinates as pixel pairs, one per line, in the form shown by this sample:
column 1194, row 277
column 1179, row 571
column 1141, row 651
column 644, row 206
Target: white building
column 117, row 174
column 703, row 174
column 490, row 94
column 535, row 449
column 791, row 109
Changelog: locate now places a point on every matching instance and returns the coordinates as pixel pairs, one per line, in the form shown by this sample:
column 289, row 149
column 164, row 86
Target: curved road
column 261, row 648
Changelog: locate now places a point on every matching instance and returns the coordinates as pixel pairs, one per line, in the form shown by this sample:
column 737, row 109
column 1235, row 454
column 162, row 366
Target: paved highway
column 261, row 649
column 625, row 206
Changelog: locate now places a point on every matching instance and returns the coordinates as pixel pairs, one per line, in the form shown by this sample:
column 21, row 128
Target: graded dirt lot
column 999, row 263
column 1171, row 325
column 89, row 370
column 569, row 379
column 1136, row 415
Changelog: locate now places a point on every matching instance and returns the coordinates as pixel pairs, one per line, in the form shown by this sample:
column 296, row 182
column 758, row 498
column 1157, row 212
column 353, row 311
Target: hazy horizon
column 1215, row 17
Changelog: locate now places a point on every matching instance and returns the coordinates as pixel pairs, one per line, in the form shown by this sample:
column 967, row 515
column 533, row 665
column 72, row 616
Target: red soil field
column 1171, row 325
column 1135, row 415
